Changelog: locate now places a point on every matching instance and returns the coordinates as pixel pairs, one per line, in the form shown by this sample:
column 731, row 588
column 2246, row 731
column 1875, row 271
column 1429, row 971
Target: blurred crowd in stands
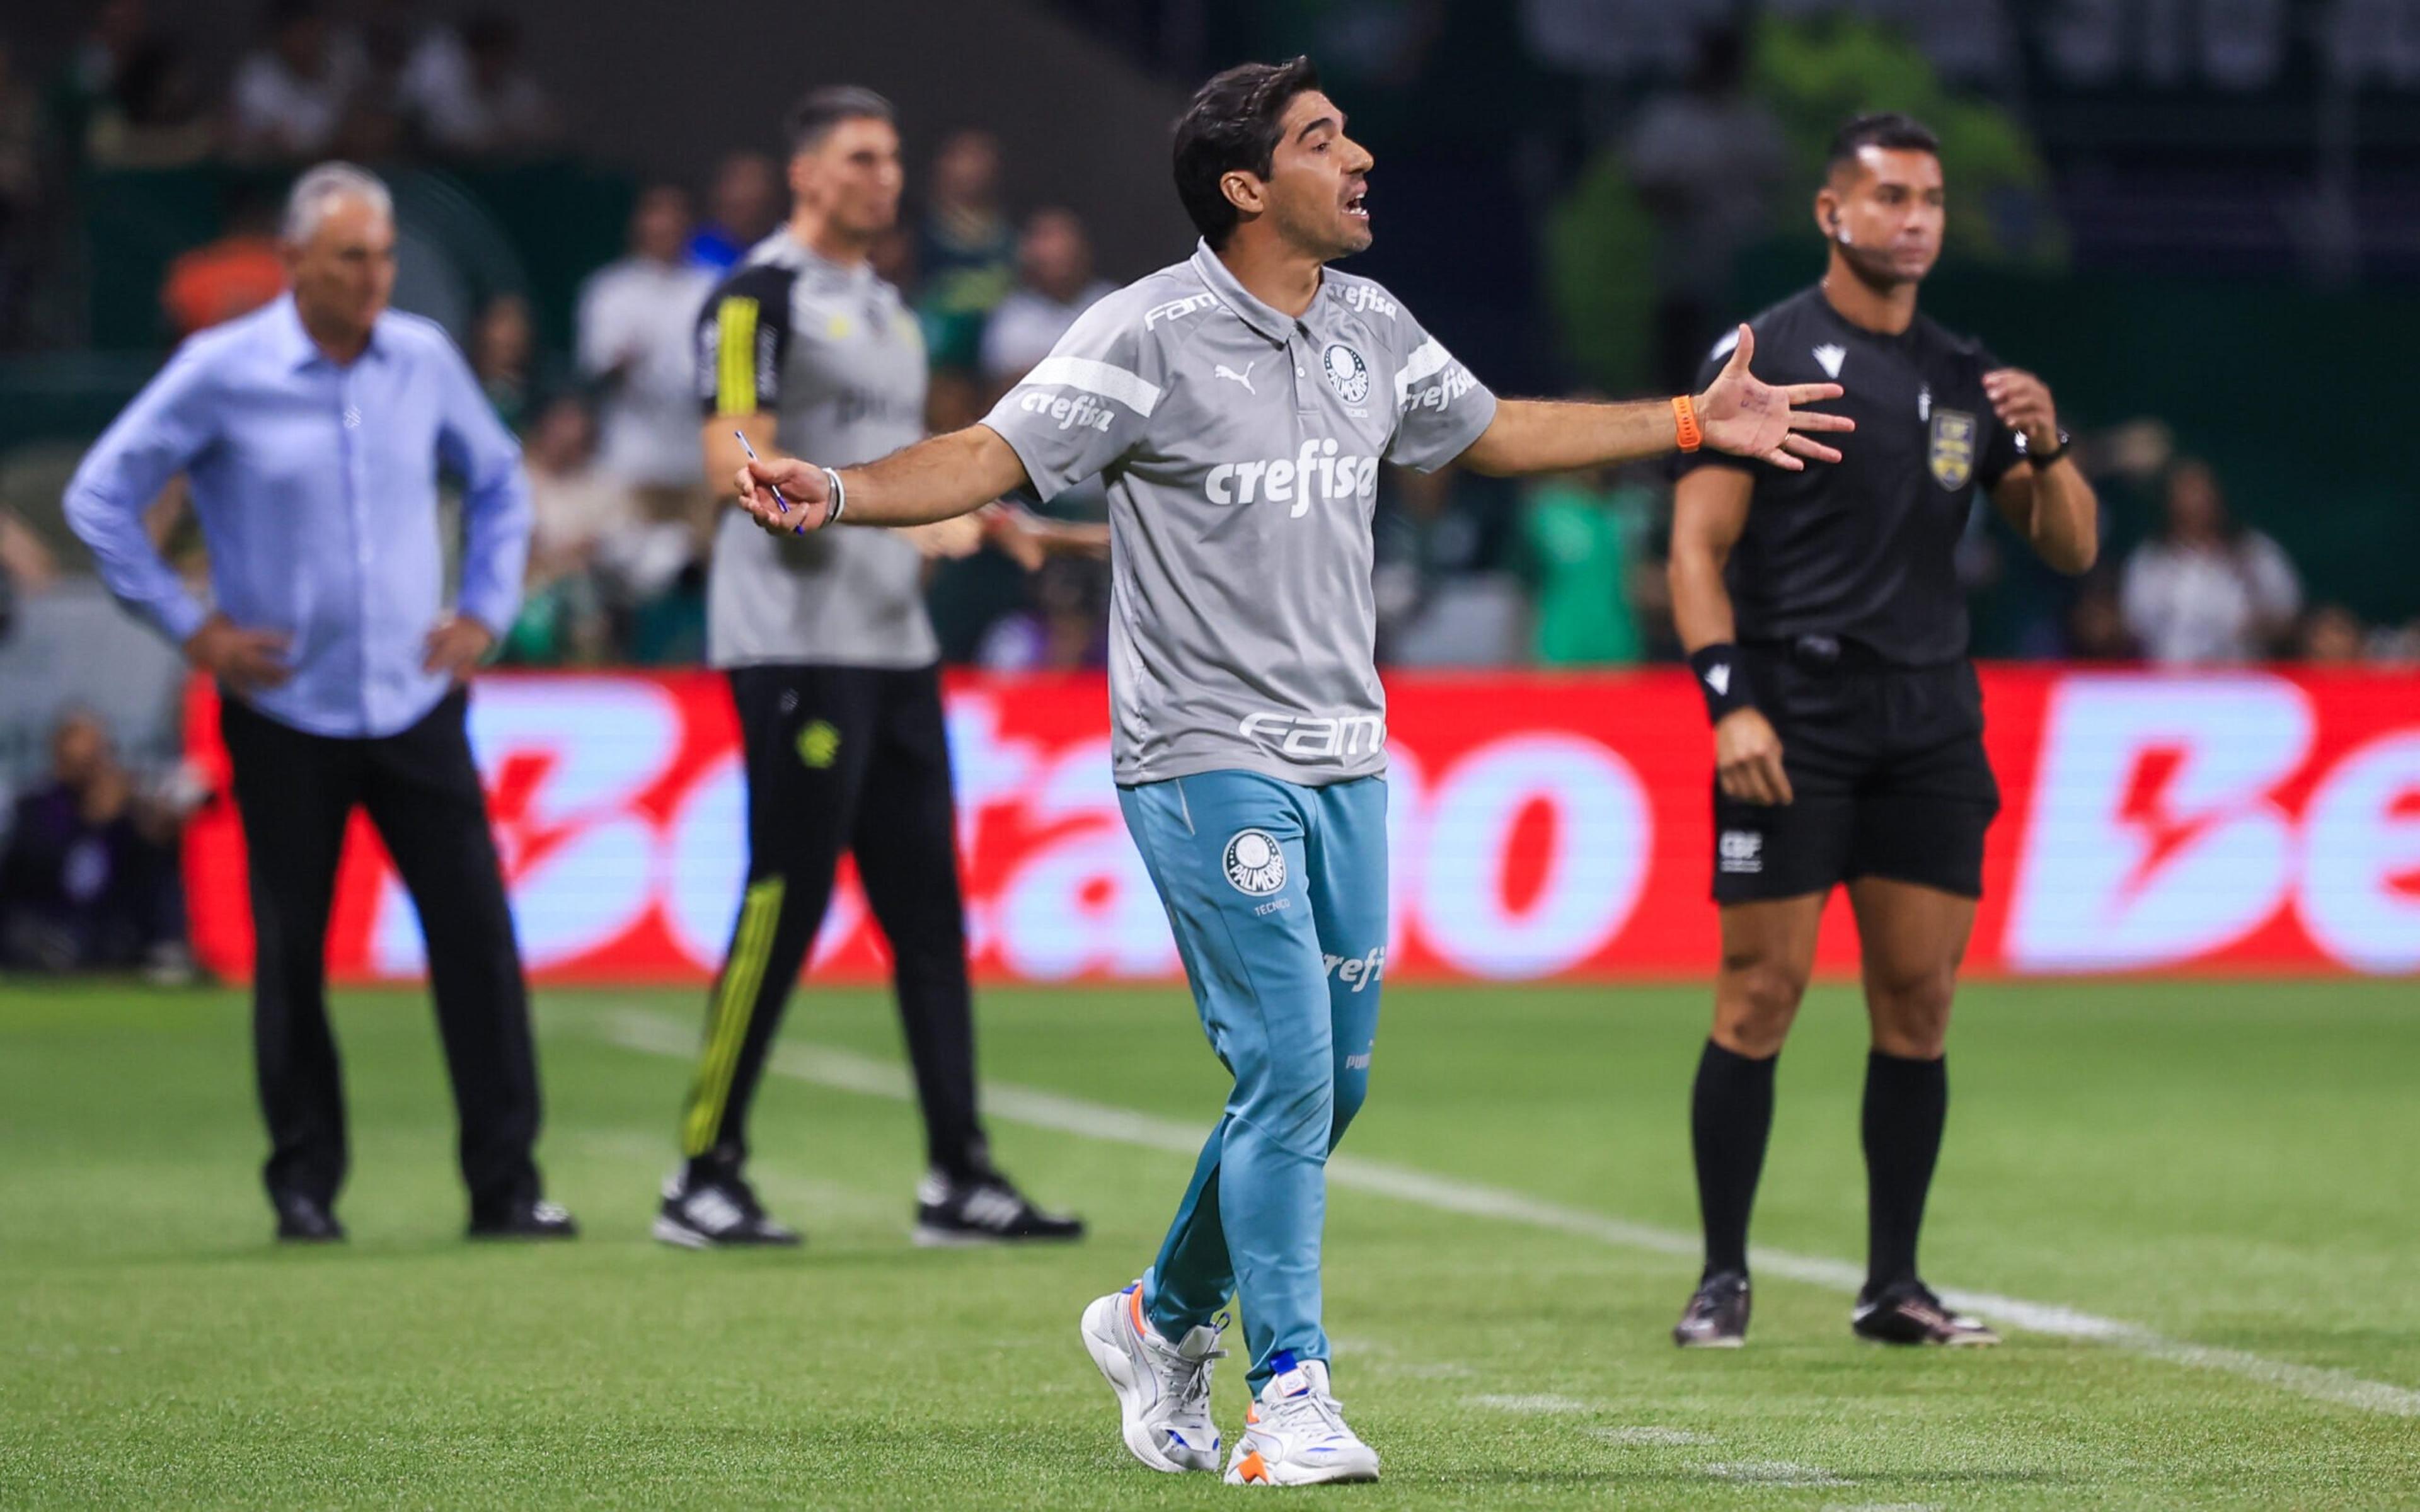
column 88, row 874
column 1563, row 572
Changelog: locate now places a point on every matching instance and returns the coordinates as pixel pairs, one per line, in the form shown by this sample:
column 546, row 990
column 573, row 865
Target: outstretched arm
column 933, row 480
column 1737, row 413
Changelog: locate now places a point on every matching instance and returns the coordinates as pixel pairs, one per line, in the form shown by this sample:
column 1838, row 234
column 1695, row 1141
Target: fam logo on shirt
column 1178, row 309
column 1347, row 371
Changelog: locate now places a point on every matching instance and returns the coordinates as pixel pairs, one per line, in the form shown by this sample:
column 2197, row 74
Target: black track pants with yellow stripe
column 843, row 760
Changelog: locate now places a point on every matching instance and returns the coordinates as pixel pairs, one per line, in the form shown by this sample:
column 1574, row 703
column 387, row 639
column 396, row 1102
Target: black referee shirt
column 1862, row 550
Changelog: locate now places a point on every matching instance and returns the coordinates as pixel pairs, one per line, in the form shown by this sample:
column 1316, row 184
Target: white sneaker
column 1294, row 1435
column 1163, row 1389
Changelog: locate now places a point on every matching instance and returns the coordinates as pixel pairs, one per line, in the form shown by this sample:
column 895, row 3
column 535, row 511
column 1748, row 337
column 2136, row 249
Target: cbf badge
column 1254, row 864
column 1954, row 448
column 1346, row 370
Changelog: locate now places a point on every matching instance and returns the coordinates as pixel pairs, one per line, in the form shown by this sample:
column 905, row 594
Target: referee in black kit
column 1828, row 633
column 835, row 675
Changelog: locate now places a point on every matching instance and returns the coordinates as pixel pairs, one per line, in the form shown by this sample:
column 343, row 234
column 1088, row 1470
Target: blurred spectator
column 745, row 202
column 1580, row 537
column 636, row 342
column 2096, row 626
column 238, row 272
column 2396, row 646
column 290, row 97
column 1065, row 628
column 1055, row 285
column 1616, row 38
column 1439, row 537
column 21, row 122
column 576, row 509
column 964, row 250
column 502, row 345
column 477, row 97
column 162, row 120
column 1707, row 162
column 96, row 67
column 2331, row 636
column 89, row 877
column 893, row 258
column 395, row 37
column 149, row 112
column 2205, row 589
column 26, row 566
column 575, row 504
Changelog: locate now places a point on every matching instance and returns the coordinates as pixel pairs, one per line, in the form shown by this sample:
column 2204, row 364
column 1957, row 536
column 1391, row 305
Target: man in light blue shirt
column 311, row 433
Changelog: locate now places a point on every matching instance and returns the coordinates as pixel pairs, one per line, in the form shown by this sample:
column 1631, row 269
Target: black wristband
column 1721, row 679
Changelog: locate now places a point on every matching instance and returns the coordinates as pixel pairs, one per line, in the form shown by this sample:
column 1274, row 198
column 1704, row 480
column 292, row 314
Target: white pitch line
column 849, row 1072
column 1656, row 1437
column 1533, row 1402
column 1775, row 1472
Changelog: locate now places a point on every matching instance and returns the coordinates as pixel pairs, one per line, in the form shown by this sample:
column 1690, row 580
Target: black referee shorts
column 1887, row 770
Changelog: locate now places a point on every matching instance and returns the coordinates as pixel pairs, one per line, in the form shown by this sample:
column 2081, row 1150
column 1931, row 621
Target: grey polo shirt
column 1240, row 447
column 836, row 356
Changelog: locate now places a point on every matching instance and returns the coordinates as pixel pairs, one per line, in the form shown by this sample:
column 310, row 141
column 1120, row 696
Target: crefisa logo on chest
column 1347, row 371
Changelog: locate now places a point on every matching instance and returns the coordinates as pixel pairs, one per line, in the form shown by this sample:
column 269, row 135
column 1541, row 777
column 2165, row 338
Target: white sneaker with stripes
column 1163, row 1388
column 1296, row 1434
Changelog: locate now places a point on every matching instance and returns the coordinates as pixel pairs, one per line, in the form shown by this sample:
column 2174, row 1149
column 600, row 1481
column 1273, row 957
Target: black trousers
column 839, row 759
column 296, row 792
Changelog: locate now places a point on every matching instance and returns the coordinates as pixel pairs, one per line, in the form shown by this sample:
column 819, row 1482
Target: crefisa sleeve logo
column 1347, row 371
column 1254, row 864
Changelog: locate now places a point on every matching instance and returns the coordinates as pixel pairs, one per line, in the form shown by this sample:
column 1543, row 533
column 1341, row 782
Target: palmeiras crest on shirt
column 1254, row 864
column 1954, row 448
column 1347, row 371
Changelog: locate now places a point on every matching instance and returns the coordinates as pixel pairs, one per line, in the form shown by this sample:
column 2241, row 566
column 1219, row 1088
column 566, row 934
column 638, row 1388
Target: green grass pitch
column 2232, row 1171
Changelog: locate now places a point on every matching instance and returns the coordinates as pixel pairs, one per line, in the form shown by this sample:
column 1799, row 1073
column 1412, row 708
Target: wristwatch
column 2043, row 459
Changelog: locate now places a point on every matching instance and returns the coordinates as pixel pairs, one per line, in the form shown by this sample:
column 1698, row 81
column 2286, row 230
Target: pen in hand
column 800, row 528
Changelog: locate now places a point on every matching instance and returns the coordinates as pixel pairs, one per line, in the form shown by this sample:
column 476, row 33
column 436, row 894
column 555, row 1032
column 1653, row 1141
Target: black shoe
column 1716, row 1316
column 303, row 1220
column 984, row 1210
column 1907, row 1312
column 528, row 1219
column 716, row 1212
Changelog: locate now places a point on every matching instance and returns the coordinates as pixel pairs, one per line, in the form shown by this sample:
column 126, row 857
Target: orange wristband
column 1685, row 419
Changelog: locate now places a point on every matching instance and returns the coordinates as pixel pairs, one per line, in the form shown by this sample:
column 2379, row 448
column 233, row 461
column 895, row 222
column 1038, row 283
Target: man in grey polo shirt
column 1237, row 404
column 836, row 679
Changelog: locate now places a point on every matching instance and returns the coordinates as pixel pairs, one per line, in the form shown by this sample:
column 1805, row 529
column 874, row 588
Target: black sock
column 1731, row 1114
column 1906, row 1103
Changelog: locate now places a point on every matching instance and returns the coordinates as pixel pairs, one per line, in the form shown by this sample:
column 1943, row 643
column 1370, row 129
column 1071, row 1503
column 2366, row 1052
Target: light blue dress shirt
column 315, row 485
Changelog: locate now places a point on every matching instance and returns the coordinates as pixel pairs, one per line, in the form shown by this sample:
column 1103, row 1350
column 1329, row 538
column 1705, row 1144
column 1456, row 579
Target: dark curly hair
column 1233, row 123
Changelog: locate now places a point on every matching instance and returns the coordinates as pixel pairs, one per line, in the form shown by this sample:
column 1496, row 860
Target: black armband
column 1721, row 679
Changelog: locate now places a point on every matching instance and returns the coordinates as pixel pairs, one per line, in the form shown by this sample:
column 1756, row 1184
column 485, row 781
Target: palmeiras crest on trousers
column 1254, row 864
